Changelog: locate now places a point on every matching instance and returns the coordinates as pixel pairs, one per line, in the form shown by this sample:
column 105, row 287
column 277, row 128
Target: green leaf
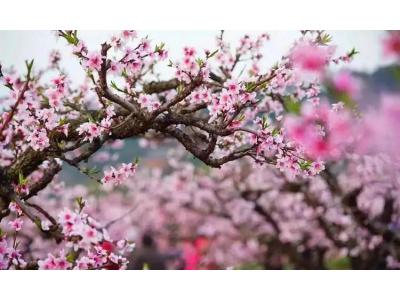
column 249, row 86
column 212, row 54
column 29, row 66
column 291, row 105
column 200, row 62
column 264, row 122
column 159, row 47
column 61, row 145
column 304, row 165
column 180, row 88
column 80, row 202
column 250, row 266
column 325, row 39
column 396, row 72
column 241, row 118
column 352, row 52
column 90, row 118
column 72, row 256
column 275, row 131
column 263, row 86
column 114, row 85
column 62, row 121
column 38, row 222
column 71, row 37
column 21, row 179
column 90, row 171
column 124, row 73
column 342, row 263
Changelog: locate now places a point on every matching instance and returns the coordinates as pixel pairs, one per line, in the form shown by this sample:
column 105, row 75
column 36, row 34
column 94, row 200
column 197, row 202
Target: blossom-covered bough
column 221, row 105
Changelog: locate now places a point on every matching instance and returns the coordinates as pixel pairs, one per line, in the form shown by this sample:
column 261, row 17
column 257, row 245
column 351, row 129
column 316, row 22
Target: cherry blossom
column 93, row 62
column 90, row 131
column 118, row 176
column 16, row 224
column 346, row 83
column 310, row 57
column 391, row 44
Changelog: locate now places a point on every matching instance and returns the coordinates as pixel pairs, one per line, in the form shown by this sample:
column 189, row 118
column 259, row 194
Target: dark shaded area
column 149, row 257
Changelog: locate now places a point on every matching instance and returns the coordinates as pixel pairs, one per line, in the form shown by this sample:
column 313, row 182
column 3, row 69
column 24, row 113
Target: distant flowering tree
column 220, row 106
column 256, row 216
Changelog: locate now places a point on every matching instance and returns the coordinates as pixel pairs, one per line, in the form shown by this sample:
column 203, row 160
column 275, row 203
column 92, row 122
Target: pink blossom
column 16, row 258
column 14, row 207
column 55, row 57
column 314, row 101
column 64, row 129
column 90, row 131
column 94, row 61
column 309, row 57
column 149, row 102
column 145, row 47
column 316, row 167
column 22, row 189
column 16, row 224
column 321, row 132
column 49, row 263
column 38, row 139
column 9, row 80
column 66, row 216
column 189, row 51
column 79, row 48
column 129, row 34
column 90, row 235
column 162, row 54
column 232, row 87
column 391, row 44
column 59, row 82
column 344, row 82
column 117, row 176
column 54, row 97
column 116, row 67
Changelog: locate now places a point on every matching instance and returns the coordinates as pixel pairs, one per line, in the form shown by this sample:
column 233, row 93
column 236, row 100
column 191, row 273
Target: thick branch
column 156, row 87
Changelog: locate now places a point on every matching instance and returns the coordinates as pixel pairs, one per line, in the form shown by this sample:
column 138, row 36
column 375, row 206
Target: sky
column 17, row 46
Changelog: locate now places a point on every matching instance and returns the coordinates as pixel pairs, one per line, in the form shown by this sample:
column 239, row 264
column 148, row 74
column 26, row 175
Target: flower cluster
column 9, row 255
column 391, row 44
column 309, row 57
column 232, row 95
column 86, row 245
column 322, row 132
column 81, row 234
column 117, row 176
column 248, row 49
column 149, row 102
column 92, row 130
